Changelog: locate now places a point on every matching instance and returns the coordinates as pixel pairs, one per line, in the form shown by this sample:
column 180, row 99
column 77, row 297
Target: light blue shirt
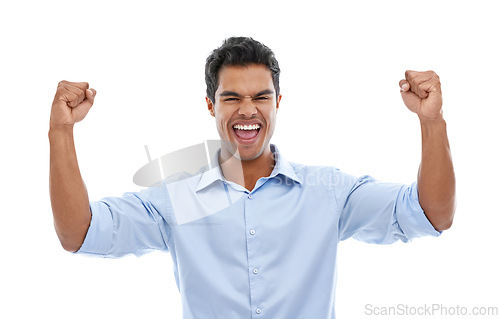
column 266, row 253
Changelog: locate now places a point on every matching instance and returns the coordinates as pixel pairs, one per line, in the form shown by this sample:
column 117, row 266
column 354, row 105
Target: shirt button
column 252, row 232
column 250, row 196
column 258, row 310
column 255, row 271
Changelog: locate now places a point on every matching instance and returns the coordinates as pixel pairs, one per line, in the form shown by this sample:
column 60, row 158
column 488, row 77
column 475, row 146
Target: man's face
column 245, row 110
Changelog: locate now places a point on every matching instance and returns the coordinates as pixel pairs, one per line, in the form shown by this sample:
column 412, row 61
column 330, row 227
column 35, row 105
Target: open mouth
column 246, row 134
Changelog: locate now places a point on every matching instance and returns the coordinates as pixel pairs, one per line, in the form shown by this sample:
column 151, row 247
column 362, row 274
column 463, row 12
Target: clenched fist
column 421, row 93
column 72, row 102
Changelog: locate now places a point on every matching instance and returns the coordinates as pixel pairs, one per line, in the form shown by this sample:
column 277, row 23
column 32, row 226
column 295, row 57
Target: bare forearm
column 436, row 177
column 68, row 194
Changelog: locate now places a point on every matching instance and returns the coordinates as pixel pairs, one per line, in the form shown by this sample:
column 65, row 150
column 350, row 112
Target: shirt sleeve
column 380, row 213
column 135, row 223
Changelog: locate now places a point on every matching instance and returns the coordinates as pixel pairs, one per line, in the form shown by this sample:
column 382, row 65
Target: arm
column 70, row 204
column 421, row 93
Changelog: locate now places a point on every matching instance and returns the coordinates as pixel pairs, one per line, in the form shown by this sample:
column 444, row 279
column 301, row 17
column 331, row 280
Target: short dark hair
column 239, row 51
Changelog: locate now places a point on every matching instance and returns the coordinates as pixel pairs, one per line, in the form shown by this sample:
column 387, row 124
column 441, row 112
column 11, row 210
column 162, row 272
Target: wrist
column 58, row 131
column 431, row 121
column 434, row 127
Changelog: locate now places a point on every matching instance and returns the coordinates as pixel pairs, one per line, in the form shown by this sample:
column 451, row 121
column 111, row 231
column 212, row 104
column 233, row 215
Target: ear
column 278, row 102
column 210, row 105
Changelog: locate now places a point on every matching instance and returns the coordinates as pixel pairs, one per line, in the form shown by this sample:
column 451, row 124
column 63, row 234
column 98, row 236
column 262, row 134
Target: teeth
column 247, row 127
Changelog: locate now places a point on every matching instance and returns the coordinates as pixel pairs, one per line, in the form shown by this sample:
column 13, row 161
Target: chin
column 243, row 152
column 249, row 156
column 250, row 152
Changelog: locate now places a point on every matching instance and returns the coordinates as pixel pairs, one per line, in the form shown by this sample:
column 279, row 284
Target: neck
column 247, row 173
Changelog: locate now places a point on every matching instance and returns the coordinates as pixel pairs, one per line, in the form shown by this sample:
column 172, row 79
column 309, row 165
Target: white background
column 341, row 63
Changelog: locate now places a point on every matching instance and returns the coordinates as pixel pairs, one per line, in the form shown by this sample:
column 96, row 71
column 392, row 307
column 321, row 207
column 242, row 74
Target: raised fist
column 72, row 102
column 421, row 93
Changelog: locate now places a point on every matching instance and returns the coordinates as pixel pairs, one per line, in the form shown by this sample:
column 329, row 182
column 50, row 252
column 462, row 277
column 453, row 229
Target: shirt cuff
column 414, row 222
column 100, row 233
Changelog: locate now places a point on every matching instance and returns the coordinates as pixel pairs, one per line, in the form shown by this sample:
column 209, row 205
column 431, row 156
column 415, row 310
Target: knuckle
column 61, row 90
column 85, row 84
column 433, row 74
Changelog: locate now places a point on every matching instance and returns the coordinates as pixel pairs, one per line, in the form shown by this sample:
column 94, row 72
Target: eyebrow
column 231, row 93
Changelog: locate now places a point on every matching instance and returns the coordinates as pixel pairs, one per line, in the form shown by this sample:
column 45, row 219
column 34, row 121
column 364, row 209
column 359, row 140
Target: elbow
column 72, row 234
column 444, row 225
column 443, row 220
column 69, row 242
column 70, row 247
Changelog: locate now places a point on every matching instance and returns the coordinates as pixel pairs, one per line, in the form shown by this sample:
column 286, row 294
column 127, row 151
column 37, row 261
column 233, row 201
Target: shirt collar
column 282, row 166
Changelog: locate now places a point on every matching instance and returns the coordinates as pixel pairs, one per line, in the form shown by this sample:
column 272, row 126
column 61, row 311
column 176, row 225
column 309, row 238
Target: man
column 255, row 237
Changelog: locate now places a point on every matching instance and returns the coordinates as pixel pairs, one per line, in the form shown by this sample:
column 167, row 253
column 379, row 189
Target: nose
column 247, row 107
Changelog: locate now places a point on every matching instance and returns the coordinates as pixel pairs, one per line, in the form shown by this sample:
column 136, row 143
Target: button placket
column 256, row 283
